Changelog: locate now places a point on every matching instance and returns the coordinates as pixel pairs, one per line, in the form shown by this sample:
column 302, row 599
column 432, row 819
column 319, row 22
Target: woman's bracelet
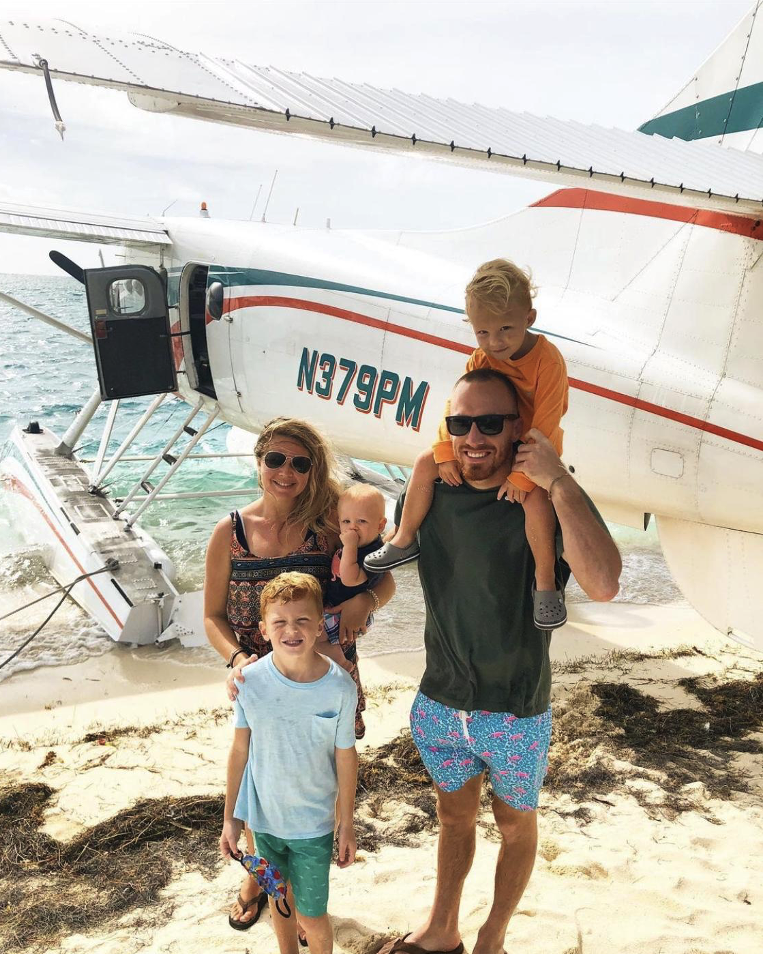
column 558, row 477
column 233, row 656
column 373, row 595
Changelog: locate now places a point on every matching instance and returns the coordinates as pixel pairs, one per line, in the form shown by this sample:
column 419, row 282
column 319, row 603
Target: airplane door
column 205, row 335
column 223, row 352
column 131, row 331
column 197, row 326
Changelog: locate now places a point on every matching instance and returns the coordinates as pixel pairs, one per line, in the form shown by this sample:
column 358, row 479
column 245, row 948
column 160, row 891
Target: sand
column 627, row 875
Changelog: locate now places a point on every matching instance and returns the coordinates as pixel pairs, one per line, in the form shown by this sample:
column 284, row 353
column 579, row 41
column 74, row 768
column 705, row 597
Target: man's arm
column 347, row 776
column 590, row 551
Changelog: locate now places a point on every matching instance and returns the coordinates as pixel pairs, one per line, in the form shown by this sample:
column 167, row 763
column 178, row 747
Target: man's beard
column 486, row 468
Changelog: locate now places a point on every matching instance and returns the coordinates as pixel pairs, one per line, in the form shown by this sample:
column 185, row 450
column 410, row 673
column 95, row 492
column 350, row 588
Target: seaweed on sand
column 604, row 735
column 603, row 725
column 394, row 772
column 50, row 888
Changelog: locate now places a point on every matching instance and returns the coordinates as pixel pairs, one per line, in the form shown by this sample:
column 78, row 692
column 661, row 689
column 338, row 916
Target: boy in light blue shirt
column 293, row 759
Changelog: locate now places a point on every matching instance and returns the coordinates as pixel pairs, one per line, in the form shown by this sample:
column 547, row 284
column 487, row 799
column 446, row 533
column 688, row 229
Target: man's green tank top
column 476, row 570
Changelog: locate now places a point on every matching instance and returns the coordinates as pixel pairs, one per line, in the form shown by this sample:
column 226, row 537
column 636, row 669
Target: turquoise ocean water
column 46, row 375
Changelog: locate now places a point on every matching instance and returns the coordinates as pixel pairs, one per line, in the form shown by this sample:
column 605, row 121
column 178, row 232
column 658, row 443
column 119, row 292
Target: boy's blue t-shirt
column 289, row 786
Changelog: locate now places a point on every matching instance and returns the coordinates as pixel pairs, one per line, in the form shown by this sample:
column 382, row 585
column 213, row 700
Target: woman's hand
column 353, row 615
column 236, row 675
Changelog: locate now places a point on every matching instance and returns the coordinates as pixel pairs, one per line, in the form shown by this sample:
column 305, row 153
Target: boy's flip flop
column 270, row 880
column 389, row 556
column 548, row 609
column 261, row 901
column 402, row 946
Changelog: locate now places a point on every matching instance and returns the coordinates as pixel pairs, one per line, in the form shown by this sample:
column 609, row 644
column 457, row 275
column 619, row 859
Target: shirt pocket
column 323, row 728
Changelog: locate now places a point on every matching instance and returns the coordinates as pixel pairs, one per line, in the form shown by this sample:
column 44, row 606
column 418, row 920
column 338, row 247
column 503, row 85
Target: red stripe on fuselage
column 677, row 416
column 277, row 301
column 261, row 301
column 605, row 202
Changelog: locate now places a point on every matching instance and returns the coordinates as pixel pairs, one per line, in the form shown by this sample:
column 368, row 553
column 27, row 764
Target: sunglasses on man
column 275, row 459
column 489, row 424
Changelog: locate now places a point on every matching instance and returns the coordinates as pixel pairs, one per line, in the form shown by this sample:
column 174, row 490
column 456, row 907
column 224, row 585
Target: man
column 484, row 698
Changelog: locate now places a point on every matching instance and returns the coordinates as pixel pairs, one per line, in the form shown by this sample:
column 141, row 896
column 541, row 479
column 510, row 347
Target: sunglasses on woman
column 489, row 424
column 275, row 459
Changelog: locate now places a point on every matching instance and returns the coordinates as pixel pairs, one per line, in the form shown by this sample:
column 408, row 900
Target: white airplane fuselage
column 656, row 309
column 364, row 334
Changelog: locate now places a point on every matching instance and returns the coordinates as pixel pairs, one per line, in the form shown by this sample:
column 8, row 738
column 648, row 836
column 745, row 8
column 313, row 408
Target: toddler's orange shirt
column 541, row 380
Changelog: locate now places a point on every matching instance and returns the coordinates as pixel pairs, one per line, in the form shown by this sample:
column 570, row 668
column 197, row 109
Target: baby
column 361, row 513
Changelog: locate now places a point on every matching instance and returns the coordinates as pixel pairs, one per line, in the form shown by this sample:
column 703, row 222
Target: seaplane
column 647, row 252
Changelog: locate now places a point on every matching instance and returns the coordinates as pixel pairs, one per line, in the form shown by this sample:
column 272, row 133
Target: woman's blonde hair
column 500, row 283
column 316, row 506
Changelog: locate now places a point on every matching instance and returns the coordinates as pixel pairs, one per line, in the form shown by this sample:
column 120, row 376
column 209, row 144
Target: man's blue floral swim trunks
column 456, row 745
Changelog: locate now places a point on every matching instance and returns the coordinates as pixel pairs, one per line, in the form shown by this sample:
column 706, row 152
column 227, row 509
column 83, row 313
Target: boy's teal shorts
column 305, row 863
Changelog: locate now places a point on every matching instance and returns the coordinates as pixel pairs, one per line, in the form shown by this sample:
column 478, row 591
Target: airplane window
column 215, row 300
column 127, row 296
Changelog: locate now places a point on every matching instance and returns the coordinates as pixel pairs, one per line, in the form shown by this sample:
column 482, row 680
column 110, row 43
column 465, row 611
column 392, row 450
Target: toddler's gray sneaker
column 549, row 609
column 388, row 557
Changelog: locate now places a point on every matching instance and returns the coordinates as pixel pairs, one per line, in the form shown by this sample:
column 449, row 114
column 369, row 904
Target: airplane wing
column 82, row 226
column 160, row 78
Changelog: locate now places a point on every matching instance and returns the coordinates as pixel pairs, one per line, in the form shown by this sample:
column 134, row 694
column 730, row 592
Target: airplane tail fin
column 723, row 101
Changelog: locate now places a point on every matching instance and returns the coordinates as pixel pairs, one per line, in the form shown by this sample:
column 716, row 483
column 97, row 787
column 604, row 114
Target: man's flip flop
column 402, row 946
column 389, row 556
column 261, row 900
column 548, row 609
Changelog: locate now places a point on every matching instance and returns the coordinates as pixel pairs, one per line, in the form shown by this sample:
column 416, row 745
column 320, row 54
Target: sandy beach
column 650, row 822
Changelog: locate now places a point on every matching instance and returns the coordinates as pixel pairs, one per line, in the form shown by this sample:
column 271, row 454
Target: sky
column 612, row 63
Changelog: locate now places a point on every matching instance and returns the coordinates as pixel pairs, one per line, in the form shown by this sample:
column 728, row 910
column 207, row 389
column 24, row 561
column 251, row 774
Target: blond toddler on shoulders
column 499, row 307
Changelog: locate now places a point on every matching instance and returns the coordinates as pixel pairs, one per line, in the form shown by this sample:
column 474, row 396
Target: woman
column 292, row 526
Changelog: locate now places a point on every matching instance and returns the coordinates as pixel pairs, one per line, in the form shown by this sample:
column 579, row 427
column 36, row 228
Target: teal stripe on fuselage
column 736, row 111
column 258, row 276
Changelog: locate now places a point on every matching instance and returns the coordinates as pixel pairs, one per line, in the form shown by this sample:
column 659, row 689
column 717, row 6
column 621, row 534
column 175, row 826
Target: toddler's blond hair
column 361, row 491
column 499, row 284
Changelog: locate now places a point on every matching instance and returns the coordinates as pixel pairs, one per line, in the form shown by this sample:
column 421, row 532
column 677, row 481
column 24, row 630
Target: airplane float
column 647, row 254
